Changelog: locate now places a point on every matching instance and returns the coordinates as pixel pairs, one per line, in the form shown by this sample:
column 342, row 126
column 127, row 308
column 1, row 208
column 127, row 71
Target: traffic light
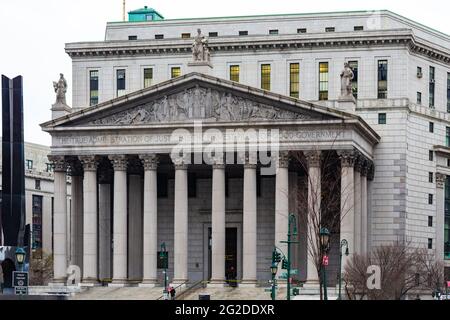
column 277, row 256
column 285, row 264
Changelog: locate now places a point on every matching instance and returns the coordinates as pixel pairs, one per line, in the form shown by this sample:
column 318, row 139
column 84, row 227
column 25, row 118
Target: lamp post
column 344, row 243
column 164, row 258
column 274, row 270
column 287, row 262
column 20, row 257
column 325, row 244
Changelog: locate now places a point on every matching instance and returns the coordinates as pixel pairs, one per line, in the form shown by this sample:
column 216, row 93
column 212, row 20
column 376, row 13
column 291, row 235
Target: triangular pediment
column 197, row 97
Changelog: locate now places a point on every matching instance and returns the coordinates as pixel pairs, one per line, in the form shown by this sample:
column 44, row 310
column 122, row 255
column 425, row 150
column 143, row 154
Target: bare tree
column 403, row 269
column 41, row 270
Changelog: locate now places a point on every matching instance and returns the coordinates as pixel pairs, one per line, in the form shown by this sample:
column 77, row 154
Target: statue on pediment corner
column 200, row 50
column 60, row 89
column 347, row 76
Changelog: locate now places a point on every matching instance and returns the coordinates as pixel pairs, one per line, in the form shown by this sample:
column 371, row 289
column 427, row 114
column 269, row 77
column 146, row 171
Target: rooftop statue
column 200, row 50
column 346, row 81
column 60, row 89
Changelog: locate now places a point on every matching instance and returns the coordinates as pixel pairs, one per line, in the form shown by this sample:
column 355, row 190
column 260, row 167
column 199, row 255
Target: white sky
column 33, row 34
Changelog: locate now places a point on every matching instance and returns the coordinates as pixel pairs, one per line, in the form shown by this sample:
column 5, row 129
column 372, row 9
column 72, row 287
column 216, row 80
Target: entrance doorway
column 8, row 268
column 231, row 255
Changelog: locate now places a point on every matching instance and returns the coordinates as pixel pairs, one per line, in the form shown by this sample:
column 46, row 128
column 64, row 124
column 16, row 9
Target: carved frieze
column 200, row 103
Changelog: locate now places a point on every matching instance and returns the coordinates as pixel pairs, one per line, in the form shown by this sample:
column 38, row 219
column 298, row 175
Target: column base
column 149, row 284
column 89, row 284
column 216, row 284
column 248, row 284
column 57, row 283
column 118, row 283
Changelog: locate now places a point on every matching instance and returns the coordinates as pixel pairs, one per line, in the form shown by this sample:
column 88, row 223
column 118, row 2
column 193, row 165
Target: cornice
column 383, row 38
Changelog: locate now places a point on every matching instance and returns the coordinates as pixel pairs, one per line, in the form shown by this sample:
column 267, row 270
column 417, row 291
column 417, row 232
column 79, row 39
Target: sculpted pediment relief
column 199, row 103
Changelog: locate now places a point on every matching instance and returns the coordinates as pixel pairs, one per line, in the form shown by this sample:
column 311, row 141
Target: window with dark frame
column 432, row 87
column 330, row 29
column 235, row 73
column 243, row 33
column 37, row 184
column 265, row 76
column 273, row 31
column 382, row 79
column 382, row 118
column 431, row 127
column 159, row 36
column 148, row 77
column 49, row 167
column 358, row 28
column 419, row 98
column 185, row 35
column 121, row 82
column 430, row 177
column 431, row 155
column 175, row 72
column 302, row 30
column 354, row 66
column 29, row 164
column 430, row 243
column 430, row 199
column 131, row 38
column 294, row 80
column 323, row 81
column 93, row 87
column 447, row 137
column 430, row 221
column 213, row 34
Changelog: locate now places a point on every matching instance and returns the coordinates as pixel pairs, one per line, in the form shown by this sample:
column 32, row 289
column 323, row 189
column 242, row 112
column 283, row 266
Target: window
column 213, row 34
column 36, row 236
column 382, row 79
column 431, row 155
column 132, row 37
column 234, row 73
column 49, row 167
column 185, row 35
column 148, row 77
column 274, row 31
column 430, row 177
column 430, row 221
column 265, row 76
column 382, row 118
column 448, row 162
column 93, row 87
column 354, row 66
column 432, row 87
column 419, row 72
column 431, row 127
column 37, row 184
column 121, row 82
column 162, row 185
column 175, row 72
column 302, row 30
column 448, row 92
column 294, row 80
column 430, row 199
column 29, row 164
column 192, row 185
column 358, row 28
column 323, row 81
column 447, row 136
column 447, row 220
column 419, row 98
column 159, row 36
column 330, row 29
column 243, row 33
column 430, row 244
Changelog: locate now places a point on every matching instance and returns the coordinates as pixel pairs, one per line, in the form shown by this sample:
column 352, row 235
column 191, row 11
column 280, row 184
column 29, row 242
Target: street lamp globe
column 324, row 238
column 20, row 255
column 274, row 268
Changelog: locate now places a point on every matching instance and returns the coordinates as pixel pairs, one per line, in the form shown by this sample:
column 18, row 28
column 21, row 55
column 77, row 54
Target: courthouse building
column 389, row 138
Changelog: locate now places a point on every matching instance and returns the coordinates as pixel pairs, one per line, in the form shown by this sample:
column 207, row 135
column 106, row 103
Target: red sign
column 448, row 284
column 325, row 261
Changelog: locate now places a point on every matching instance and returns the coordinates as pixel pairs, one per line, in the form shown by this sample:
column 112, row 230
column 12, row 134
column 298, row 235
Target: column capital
column 313, row 158
column 149, row 161
column 440, row 180
column 119, row 162
column 180, row 163
column 283, row 159
column 59, row 163
column 90, row 163
column 359, row 161
column 250, row 160
column 348, row 158
column 218, row 162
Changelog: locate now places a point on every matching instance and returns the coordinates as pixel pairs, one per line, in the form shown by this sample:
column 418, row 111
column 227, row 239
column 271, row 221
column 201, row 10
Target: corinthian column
column 364, row 212
column 150, row 163
column 250, row 223
column 120, row 221
column 313, row 214
column 218, row 224
column 90, row 251
column 60, row 219
column 181, row 223
column 282, row 202
column 357, row 204
column 440, row 215
column 347, row 201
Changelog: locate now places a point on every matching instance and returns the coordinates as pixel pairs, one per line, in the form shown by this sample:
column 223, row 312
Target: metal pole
column 289, row 262
column 273, row 287
column 340, row 275
column 325, row 294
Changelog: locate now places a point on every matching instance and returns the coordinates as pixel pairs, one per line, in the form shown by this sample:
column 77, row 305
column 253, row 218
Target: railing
column 179, row 286
column 190, row 289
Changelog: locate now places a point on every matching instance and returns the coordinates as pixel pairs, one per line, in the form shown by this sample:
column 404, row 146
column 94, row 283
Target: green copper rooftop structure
column 144, row 14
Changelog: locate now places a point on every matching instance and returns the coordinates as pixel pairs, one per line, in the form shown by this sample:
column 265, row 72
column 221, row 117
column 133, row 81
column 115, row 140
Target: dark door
column 8, row 268
column 230, row 254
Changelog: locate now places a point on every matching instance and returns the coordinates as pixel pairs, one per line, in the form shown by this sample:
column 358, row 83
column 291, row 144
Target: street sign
column 294, row 272
column 283, row 275
column 325, row 261
column 20, row 282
